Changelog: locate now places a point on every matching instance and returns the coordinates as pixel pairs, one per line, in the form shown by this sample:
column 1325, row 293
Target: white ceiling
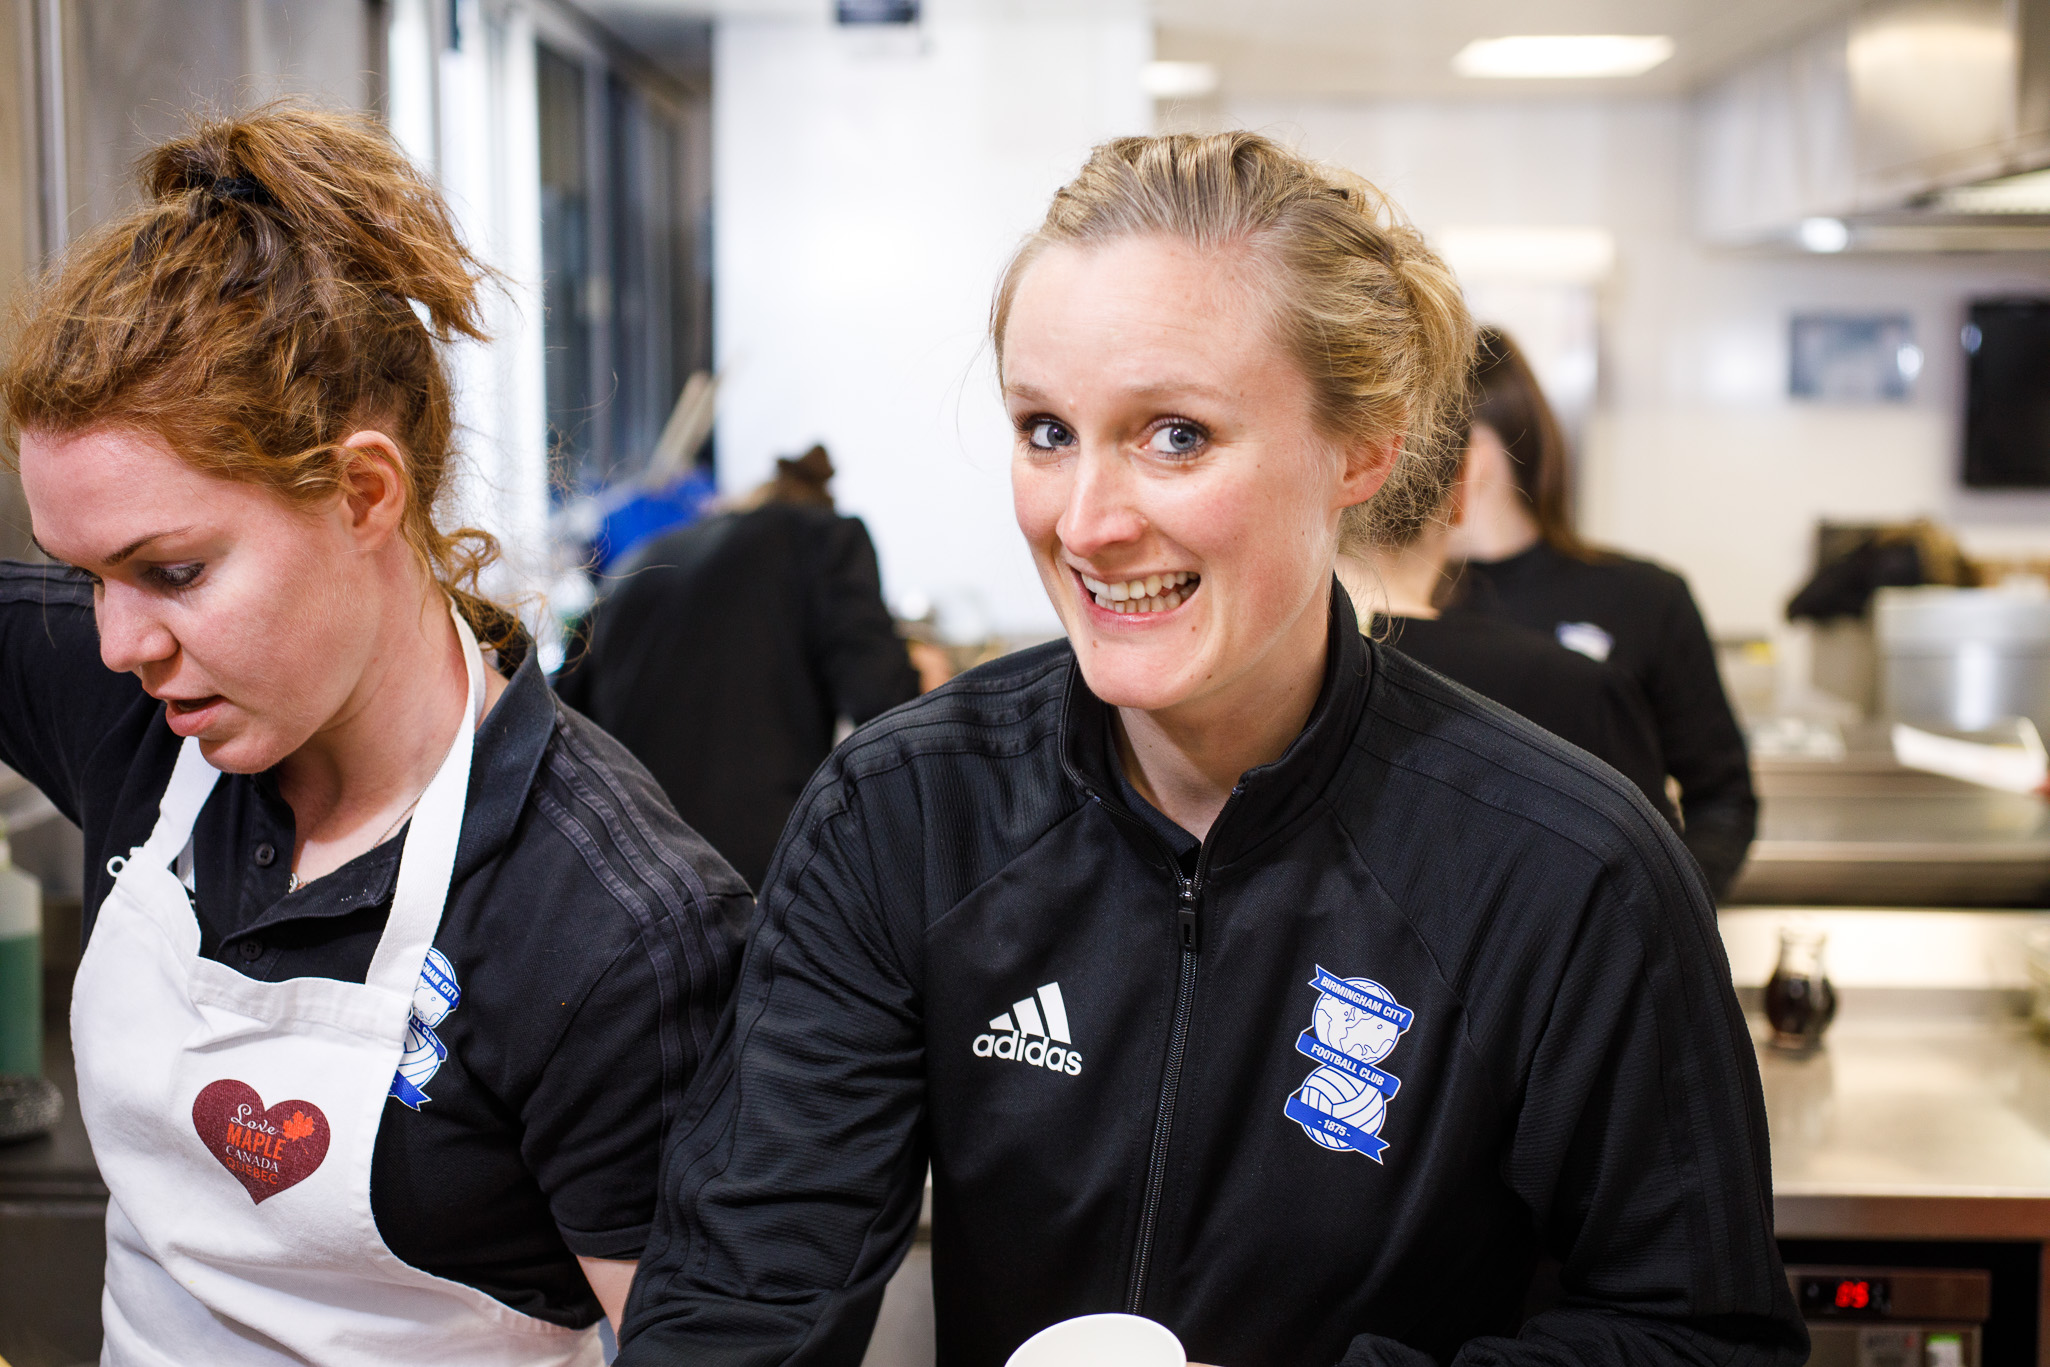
column 1405, row 47
column 1365, row 47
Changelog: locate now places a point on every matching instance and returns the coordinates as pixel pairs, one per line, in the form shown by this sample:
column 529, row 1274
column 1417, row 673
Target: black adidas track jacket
column 1439, row 994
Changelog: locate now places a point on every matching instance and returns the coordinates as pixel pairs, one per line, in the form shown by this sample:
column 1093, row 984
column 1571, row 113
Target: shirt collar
column 506, row 755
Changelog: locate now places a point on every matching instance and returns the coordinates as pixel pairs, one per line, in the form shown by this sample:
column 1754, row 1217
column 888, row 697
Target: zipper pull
column 1185, row 917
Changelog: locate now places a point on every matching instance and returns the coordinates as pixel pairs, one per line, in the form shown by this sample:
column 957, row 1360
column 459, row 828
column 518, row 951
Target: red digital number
column 1853, row 1295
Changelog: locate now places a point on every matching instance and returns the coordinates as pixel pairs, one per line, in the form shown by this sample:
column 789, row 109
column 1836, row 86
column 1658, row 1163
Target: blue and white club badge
column 436, row 995
column 1355, row 1025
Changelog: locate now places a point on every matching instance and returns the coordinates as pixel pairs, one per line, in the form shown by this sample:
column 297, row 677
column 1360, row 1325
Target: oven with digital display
column 1893, row 1316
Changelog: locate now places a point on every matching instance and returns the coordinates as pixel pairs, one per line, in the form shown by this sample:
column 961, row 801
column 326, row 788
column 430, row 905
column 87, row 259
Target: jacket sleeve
column 791, row 1185
column 58, row 702
column 1704, row 747
column 1651, row 1189
column 866, row 667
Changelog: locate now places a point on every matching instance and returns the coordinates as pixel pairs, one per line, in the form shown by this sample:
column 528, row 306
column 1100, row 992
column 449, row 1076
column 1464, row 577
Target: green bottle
column 21, row 968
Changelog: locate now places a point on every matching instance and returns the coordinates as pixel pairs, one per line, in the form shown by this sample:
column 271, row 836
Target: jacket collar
column 1268, row 798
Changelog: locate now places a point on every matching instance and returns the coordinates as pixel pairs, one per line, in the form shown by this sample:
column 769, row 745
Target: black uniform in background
column 1654, row 637
column 1571, row 696
column 724, row 654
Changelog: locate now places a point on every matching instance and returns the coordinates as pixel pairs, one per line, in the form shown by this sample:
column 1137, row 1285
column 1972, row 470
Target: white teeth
column 1154, row 593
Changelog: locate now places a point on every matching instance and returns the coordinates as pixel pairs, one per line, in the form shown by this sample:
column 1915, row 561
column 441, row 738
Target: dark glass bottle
column 1799, row 1001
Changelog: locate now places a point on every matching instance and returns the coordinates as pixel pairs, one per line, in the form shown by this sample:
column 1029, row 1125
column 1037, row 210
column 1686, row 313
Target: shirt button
column 252, row 950
column 266, row 855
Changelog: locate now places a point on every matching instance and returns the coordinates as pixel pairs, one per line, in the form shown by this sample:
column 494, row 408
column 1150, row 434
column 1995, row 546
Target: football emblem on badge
column 1355, row 1025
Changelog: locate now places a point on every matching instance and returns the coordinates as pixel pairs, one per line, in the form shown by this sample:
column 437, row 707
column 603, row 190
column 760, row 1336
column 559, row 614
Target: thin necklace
column 292, row 878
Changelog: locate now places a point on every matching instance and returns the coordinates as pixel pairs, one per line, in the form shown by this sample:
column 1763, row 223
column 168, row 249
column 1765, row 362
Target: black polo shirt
column 1641, row 620
column 592, row 935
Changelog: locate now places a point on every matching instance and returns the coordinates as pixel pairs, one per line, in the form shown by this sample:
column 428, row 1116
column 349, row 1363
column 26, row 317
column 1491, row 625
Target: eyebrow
column 1171, row 389
column 118, row 556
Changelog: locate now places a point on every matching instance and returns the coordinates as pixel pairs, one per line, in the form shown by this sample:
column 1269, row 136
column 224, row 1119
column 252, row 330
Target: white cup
column 1102, row 1341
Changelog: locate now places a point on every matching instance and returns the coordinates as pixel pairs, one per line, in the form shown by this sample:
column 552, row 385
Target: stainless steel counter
column 1860, row 829
column 1925, row 1115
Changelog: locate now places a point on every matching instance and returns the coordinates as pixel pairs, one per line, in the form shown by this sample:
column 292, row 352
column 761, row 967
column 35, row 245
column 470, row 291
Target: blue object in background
column 648, row 514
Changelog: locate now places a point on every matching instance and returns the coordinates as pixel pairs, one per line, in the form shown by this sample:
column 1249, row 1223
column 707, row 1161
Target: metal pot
column 1966, row 659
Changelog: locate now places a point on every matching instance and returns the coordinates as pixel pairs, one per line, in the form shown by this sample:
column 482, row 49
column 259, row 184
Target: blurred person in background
column 1525, row 562
column 727, row 651
column 1393, row 565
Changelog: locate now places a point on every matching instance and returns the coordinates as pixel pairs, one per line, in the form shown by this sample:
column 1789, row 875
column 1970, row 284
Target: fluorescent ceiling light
column 1563, row 55
column 2028, row 193
column 1577, row 256
column 1824, row 234
column 1178, row 80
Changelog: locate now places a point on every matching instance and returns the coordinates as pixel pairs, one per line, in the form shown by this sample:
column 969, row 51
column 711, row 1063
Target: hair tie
column 243, row 188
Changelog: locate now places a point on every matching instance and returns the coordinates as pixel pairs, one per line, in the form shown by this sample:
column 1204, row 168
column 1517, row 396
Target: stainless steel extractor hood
column 1911, row 126
column 1947, row 92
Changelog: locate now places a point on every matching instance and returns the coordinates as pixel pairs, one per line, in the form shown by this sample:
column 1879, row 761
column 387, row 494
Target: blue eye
column 1177, row 439
column 1045, row 434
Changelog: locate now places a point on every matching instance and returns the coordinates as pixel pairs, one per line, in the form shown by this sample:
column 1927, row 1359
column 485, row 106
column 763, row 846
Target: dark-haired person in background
column 1525, row 562
column 1393, row 566
column 726, row 652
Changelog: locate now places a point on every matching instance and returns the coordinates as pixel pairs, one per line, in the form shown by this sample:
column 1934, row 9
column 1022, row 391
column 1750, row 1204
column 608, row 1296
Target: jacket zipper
column 1187, row 932
column 1170, row 1085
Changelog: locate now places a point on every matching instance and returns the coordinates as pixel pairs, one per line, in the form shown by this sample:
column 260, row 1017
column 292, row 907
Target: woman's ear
column 1365, row 467
column 374, row 485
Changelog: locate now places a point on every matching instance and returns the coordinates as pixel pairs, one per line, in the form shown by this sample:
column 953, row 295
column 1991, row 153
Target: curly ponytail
column 1376, row 321
column 289, row 279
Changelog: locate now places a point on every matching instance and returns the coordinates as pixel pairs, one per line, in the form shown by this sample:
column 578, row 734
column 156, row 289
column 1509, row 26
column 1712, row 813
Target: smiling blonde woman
column 1226, row 967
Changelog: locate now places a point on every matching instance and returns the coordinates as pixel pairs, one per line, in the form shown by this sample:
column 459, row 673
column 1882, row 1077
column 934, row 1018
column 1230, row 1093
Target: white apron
column 233, row 1121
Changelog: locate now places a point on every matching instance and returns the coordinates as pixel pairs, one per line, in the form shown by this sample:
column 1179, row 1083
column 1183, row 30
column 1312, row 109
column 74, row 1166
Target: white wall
column 1695, row 456
column 868, row 188
column 469, row 115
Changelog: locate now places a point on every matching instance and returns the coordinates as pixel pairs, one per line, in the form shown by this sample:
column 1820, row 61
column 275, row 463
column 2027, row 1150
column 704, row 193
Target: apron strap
column 428, row 862
column 192, row 782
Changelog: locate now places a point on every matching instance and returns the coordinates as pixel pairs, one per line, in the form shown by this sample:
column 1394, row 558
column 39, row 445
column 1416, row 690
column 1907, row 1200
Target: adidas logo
column 1034, row 1031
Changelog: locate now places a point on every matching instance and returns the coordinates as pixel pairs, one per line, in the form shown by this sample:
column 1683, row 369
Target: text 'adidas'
column 1034, row 1032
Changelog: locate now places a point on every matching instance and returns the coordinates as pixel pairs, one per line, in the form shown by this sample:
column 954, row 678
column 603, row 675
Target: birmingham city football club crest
column 436, row 994
column 1343, row 1104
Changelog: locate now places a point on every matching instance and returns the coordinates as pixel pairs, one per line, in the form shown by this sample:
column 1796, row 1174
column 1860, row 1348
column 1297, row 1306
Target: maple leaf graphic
column 298, row 1127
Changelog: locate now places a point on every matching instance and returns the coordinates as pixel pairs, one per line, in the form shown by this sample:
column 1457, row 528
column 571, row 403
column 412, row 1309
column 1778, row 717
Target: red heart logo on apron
column 265, row 1150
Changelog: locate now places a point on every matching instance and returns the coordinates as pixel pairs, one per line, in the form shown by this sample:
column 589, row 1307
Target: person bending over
column 725, row 652
column 1225, row 966
column 394, row 968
